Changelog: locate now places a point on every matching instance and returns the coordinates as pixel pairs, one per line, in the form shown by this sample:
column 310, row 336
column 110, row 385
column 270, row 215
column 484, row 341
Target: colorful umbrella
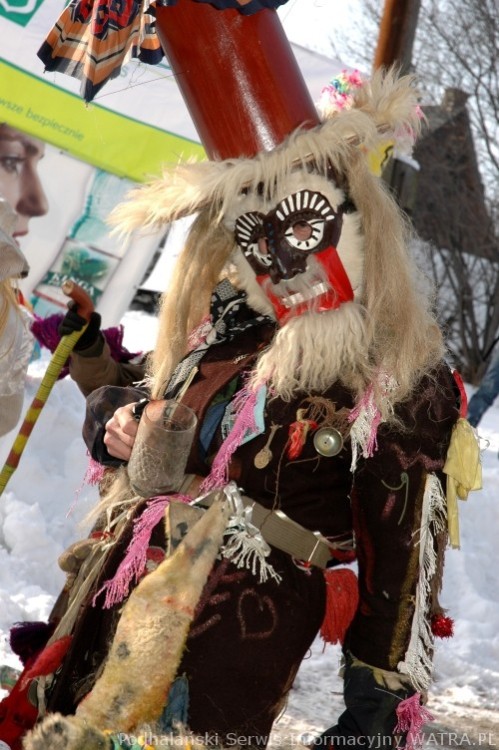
column 93, row 39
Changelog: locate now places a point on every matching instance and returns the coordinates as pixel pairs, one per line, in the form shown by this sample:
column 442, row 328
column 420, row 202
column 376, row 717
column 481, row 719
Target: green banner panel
column 110, row 141
column 19, row 11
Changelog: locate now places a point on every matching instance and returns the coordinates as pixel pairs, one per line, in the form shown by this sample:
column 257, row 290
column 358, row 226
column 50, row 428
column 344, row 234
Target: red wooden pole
column 238, row 76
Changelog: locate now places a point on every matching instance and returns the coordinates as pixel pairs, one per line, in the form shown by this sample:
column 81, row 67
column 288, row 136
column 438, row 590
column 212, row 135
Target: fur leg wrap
column 151, row 634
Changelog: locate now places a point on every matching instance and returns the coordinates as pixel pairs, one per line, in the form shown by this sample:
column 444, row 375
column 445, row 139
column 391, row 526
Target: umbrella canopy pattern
column 93, row 39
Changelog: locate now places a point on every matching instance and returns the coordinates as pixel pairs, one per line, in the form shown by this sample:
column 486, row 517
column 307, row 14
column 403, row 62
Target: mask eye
column 251, row 239
column 304, row 216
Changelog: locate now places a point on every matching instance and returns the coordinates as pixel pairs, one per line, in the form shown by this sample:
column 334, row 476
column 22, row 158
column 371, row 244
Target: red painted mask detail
column 339, row 291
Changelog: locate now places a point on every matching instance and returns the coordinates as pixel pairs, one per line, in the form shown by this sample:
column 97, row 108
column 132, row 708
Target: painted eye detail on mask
column 250, row 236
column 304, row 216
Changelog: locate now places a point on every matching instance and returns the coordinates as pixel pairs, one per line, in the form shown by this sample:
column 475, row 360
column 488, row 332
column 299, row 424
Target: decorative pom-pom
column 442, row 626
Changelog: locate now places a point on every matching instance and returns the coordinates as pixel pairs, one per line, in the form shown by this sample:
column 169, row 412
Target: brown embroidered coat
column 249, row 638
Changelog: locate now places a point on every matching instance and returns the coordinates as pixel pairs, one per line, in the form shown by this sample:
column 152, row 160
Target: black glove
column 74, row 322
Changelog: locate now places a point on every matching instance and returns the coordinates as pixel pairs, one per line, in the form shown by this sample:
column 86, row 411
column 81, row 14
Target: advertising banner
column 63, row 205
column 93, row 154
column 109, row 140
column 137, row 123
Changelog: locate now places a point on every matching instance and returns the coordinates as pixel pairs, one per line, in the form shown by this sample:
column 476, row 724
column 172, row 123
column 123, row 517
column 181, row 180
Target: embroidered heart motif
column 256, row 614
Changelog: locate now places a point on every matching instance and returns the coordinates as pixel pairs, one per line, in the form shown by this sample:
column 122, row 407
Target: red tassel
column 95, row 472
column 442, row 626
column 342, row 599
column 463, row 407
column 298, row 432
column 49, row 659
column 17, row 714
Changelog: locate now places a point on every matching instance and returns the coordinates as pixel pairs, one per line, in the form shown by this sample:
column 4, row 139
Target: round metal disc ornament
column 328, row 441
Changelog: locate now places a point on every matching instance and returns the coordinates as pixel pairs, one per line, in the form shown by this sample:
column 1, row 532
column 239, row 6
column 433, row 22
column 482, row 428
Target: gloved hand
column 74, row 322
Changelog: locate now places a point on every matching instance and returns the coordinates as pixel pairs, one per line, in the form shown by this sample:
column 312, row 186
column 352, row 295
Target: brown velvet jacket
column 378, row 507
column 248, row 638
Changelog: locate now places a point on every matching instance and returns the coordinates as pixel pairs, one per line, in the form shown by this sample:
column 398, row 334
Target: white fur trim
column 313, row 351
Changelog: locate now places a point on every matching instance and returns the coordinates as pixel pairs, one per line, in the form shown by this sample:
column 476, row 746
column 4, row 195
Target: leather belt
column 282, row 532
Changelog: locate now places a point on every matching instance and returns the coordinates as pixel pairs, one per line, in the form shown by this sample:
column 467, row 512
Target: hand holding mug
column 159, row 449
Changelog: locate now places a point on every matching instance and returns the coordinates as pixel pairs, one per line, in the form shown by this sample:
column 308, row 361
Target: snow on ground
column 41, row 513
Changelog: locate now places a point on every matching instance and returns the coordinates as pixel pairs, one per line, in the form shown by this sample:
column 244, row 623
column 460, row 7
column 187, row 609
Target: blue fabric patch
column 210, row 424
column 177, row 706
column 258, row 415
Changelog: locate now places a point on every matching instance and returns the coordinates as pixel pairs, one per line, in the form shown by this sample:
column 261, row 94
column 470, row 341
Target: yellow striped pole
column 57, row 362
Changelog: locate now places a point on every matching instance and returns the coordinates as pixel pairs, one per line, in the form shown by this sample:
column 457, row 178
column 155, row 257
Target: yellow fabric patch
column 464, row 473
column 378, row 157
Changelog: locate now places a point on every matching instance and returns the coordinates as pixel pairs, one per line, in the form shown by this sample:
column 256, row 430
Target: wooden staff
column 57, row 362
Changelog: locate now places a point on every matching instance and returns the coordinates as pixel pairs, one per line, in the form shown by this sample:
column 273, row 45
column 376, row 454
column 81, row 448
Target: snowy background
column 45, row 501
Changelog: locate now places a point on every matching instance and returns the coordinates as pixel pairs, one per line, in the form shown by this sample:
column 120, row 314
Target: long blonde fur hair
column 401, row 335
column 198, row 269
column 8, row 302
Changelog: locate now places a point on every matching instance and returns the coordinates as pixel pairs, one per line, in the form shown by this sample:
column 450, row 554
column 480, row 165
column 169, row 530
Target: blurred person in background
column 486, row 392
column 16, row 340
column 20, row 184
column 21, row 198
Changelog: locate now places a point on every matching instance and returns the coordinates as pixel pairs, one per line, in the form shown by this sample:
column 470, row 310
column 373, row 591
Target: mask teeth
column 300, row 297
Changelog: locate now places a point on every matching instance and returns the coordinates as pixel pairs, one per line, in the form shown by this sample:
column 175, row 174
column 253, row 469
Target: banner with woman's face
column 20, row 183
column 61, row 206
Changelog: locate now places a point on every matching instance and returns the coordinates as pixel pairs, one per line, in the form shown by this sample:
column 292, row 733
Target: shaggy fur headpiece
column 400, row 335
column 382, row 108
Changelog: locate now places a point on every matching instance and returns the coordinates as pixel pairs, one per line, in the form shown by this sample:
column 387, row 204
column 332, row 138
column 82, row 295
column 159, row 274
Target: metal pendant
column 263, row 458
column 264, row 455
column 328, row 441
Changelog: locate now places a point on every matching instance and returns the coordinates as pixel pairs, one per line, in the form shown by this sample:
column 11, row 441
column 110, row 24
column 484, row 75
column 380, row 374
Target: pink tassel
column 199, row 334
column 134, row 563
column 364, row 404
column 411, row 715
column 93, row 476
column 244, row 404
column 367, row 407
column 372, row 443
column 94, row 473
